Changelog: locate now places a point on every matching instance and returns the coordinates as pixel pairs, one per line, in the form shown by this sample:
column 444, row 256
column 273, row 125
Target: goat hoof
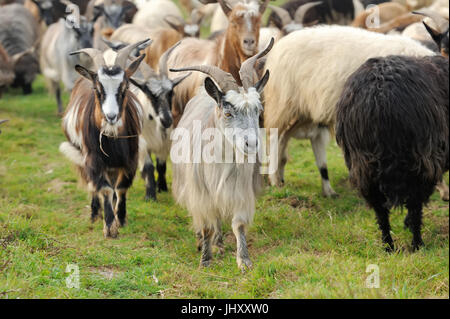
column 244, row 264
column 149, row 198
column 205, row 263
column 122, row 222
column 389, row 248
column 416, row 245
column 330, row 194
column 111, row 231
column 162, row 188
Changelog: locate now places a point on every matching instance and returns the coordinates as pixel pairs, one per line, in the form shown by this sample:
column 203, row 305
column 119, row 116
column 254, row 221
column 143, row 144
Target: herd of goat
column 376, row 77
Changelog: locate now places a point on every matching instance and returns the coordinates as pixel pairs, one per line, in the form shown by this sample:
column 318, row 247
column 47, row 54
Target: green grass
column 302, row 245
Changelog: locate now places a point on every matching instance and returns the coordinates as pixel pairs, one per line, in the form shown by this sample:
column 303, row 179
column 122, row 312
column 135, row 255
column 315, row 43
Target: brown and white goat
column 102, row 124
column 228, row 51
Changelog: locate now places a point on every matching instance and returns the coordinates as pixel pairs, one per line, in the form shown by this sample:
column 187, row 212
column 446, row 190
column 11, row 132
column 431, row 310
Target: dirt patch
column 56, row 185
column 296, row 202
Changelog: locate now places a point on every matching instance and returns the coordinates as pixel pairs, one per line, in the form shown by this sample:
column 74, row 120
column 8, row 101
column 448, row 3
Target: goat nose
column 111, row 117
column 249, row 41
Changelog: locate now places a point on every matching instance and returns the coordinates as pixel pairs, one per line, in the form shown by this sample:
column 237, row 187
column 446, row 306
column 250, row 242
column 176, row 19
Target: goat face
column 111, row 86
column 84, row 33
column 238, row 113
column 45, row 10
column 159, row 90
column 244, row 23
column 114, row 14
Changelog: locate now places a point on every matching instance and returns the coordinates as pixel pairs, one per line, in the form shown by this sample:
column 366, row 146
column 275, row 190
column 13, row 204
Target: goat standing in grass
column 102, row 124
column 217, row 190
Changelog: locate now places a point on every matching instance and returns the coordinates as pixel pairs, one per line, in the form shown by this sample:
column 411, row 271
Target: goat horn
column 169, row 17
column 164, row 58
column 283, row 14
column 441, row 23
column 225, row 6
column 263, row 6
column 66, row 2
column 95, row 55
column 124, row 53
column 301, row 12
column 3, row 121
column 224, row 80
column 248, row 67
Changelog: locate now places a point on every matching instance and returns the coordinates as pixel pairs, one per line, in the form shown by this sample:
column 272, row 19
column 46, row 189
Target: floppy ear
column 85, row 73
column 134, row 66
column 180, row 79
column 259, row 86
column 213, row 91
column 435, row 34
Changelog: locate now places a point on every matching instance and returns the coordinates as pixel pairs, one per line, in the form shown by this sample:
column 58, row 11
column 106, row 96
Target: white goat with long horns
column 218, row 189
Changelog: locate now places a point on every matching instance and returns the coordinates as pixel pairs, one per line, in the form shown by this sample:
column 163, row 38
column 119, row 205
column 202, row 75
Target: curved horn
column 301, row 12
column 263, row 6
column 225, row 6
column 124, row 53
column 441, row 23
column 164, row 58
column 224, row 80
column 283, row 14
column 248, row 67
column 95, row 55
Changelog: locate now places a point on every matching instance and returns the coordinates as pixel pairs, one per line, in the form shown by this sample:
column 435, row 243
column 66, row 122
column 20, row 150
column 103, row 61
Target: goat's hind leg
column 414, row 222
column 124, row 181
column 148, row 174
column 242, row 256
column 218, row 237
column 161, row 167
column 377, row 200
column 319, row 143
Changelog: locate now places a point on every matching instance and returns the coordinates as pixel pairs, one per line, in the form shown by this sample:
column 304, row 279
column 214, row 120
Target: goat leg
column 161, row 168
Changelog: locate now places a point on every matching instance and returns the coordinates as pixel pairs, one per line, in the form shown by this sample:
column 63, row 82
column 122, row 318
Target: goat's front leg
column 148, row 174
column 123, row 183
column 242, row 256
column 218, row 237
column 95, row 206
column 161, row 168
column 105, row 193
column 206, row 258
column 110, row 222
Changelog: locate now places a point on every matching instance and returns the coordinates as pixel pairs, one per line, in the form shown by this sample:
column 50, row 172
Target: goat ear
column 138, row 83
column 98, row 11
column 85, row 73
column 213, row 91
column 180, row 79
column 436, row 35
column 134, row 66
column 259, row 86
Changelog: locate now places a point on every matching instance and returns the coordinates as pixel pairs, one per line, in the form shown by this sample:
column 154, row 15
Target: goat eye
column 228, row 114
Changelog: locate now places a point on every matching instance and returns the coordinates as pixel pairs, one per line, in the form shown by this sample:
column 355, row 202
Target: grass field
column 302, row 245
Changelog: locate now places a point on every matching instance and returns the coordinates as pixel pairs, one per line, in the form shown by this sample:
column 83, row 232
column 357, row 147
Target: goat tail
column 73, row 153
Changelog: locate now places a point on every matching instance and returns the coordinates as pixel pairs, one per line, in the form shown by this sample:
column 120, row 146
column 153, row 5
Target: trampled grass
column 302, row 245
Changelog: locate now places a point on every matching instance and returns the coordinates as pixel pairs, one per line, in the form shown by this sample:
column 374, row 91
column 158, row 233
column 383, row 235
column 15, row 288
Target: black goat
column 392, row 124
column 329, row 12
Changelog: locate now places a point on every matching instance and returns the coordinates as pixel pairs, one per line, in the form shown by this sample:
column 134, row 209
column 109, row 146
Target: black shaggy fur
column 322, row 13
column 392, row 124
